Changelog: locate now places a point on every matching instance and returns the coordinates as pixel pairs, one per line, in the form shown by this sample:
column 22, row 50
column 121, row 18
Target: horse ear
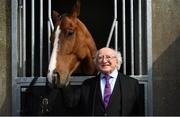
column 76, row 9
column 55, row 16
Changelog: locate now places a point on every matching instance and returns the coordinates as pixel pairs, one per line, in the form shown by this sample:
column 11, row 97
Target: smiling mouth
column 105, row 65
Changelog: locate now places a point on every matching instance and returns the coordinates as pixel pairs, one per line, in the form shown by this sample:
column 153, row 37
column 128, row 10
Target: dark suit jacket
column 124, row 99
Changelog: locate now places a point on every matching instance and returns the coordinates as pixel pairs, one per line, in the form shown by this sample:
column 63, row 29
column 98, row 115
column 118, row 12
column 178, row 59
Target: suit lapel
column 98, row 89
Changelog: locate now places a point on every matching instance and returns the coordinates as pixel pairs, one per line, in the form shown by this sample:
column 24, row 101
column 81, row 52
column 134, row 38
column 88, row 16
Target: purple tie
column 107, row 90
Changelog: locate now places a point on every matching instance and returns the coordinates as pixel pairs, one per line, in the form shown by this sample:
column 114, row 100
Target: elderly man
column 108, row 93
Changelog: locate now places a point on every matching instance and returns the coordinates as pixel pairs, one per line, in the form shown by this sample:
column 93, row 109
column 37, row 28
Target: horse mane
column 89, row 39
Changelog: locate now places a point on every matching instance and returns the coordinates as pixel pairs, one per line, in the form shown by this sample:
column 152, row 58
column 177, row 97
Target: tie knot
column 106, row 77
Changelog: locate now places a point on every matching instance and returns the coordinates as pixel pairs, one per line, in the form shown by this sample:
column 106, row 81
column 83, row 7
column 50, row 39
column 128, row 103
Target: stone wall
column 5, row 82
column 166, row 56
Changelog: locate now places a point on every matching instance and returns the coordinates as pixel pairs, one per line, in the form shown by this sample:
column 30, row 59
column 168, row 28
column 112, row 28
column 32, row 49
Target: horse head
column 73, row 47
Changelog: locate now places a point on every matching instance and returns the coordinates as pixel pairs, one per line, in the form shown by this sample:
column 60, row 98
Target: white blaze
column 52, row 63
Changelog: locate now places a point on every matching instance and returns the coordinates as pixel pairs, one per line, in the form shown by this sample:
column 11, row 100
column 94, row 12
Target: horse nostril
column 55, row 77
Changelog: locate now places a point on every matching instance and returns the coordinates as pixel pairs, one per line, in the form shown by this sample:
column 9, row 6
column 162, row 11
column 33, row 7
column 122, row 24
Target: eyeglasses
column 108, row 58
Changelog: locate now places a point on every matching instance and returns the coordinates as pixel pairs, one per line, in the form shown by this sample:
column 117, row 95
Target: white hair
column 119, row 59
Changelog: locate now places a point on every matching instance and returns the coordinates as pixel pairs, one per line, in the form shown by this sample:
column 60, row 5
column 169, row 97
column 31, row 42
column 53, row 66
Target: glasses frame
column 107, row 57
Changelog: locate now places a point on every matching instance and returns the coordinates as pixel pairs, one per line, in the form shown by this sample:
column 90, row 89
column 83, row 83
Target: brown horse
column 73, row 47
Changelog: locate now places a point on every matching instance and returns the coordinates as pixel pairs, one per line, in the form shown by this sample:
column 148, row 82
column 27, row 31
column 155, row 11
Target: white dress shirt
column 112, row 81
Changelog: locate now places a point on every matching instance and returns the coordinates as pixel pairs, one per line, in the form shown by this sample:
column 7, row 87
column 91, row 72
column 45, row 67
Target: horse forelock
column 53, row 59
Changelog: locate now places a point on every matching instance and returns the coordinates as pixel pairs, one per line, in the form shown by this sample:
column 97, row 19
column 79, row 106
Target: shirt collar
column 112, row 75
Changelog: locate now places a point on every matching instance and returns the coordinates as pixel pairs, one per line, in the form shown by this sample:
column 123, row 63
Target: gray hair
column 117, row 54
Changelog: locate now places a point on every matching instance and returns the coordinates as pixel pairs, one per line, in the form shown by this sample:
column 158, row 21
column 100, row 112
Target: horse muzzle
column 53, row 79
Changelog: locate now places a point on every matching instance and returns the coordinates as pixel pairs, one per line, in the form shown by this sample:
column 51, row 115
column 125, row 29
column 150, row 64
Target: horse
column 73, row 47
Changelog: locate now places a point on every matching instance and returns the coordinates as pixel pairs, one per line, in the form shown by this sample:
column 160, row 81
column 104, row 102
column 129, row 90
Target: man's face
column 106, row 60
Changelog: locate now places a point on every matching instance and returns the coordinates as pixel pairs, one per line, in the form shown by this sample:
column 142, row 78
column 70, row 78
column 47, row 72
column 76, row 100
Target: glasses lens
column 105, row 57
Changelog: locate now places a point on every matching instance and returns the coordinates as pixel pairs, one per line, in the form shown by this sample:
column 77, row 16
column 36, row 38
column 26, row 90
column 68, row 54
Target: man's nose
column 105, row 59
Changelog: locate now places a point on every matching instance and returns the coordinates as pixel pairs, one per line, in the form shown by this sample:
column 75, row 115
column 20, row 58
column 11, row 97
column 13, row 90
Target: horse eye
column 69, row 32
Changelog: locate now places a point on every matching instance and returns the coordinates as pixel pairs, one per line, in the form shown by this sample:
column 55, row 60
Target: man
column 110, row 92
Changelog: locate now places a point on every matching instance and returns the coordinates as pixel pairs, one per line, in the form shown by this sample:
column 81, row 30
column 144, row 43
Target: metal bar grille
column 132, row 46
column 149, row 109
column 124, row 35
column 14, row 53
column 140, row 38
column 41, row 36
column 132, row 37
column 33, row 36
column 20, row 44
column 24, row 37
column 50, row 28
